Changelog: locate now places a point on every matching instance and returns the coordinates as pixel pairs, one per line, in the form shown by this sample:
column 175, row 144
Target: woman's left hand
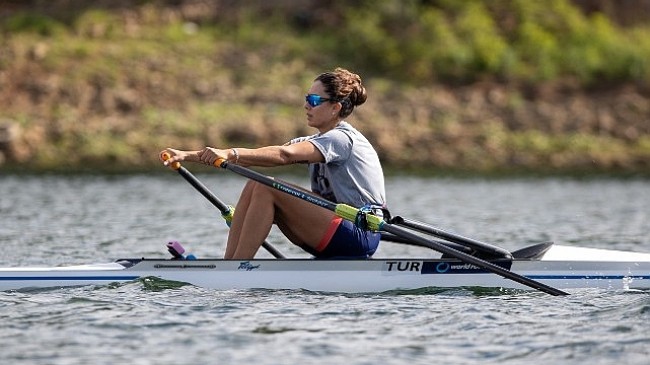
column 210, row 155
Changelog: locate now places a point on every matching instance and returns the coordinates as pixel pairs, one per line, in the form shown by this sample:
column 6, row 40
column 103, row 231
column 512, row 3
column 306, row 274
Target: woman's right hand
column 176, row 156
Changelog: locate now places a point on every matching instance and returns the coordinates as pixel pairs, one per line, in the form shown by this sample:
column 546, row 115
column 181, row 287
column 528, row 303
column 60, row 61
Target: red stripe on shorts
column 327, row 237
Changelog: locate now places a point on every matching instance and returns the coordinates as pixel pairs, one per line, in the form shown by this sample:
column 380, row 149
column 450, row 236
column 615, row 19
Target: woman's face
column 324, row 116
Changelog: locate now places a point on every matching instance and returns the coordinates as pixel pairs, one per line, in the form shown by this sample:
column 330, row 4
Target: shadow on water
column 154, row 284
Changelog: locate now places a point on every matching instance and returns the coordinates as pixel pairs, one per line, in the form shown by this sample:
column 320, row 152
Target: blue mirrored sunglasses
column 315, row 100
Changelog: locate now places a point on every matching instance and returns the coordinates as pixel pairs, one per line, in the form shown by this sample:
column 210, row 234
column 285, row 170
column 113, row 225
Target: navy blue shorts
column 344, row 239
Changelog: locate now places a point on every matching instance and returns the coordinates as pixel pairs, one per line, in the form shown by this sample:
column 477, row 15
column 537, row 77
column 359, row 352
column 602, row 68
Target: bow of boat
column 574, row 253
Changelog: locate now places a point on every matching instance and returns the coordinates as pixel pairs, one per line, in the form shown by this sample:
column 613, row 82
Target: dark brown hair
column 344, row 87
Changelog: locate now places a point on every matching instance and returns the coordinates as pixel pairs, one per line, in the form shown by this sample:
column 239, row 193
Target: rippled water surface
column 57, row 220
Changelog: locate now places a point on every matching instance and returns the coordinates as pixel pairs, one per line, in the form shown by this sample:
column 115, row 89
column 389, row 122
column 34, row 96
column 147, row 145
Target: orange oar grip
column 166, row 156
column 218, row 162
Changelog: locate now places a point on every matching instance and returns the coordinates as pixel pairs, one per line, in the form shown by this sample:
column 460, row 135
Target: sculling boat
column 464, row 262
column 558, row 266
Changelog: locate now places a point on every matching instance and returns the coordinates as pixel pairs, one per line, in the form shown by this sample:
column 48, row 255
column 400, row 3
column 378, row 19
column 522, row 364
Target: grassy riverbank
column 457, row 86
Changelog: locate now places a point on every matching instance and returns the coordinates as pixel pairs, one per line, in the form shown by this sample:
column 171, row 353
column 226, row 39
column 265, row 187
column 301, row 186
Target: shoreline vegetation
column 458, row 87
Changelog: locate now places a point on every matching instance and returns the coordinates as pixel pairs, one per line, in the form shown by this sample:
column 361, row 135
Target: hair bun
column 346, row 87
column 358, row 95
column 357, row 92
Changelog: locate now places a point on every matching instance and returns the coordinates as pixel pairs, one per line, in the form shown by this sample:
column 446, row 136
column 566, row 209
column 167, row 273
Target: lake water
column 54, row 220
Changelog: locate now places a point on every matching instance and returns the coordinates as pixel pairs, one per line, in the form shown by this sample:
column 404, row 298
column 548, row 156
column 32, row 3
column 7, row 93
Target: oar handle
column 220, row 163
column 166, row 156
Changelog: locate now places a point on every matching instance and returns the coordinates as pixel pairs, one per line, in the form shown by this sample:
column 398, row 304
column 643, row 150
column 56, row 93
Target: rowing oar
column 389, row 237
column 465, row 241
column 226, row 211
column 378, row 224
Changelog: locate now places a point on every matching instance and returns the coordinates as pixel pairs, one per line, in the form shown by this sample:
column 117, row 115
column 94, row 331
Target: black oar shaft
column 201, row 188
column 452, row 237
column 198, row 185
column 260, row 178
column 276, row 184
column 389, row 237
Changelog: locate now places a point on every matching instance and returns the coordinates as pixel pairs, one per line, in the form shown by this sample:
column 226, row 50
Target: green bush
column 34, row 23
column 411, row 41
column 515, row 40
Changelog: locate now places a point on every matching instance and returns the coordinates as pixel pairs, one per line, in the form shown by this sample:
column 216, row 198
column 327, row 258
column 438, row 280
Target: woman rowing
column 343, row 167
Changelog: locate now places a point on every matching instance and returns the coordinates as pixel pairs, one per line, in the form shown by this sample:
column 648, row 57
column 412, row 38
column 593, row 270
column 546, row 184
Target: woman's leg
column 259, row 207
column 237, row 223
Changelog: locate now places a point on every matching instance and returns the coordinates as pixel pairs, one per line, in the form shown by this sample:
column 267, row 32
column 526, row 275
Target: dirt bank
column 100, row 97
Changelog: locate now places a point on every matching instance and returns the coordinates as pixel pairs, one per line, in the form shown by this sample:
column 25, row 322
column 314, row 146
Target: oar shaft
column 271, row 182
column 201, row 188
column 349, row 213
column 469, row 242
column 342, row 210
column 389, row 237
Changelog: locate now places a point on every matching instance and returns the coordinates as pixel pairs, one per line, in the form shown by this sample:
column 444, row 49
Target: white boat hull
column 562, row 267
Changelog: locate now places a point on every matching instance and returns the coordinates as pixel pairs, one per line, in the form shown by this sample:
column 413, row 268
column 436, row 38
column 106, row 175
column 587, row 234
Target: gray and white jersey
column 351, row 173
